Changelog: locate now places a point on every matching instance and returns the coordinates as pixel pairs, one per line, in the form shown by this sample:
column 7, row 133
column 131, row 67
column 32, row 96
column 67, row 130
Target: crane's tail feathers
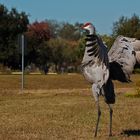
column 109, row 92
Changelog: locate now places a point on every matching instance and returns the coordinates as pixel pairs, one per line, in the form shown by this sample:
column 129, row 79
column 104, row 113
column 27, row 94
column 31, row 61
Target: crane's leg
column 110, row 125
column 98, row 118
column 96, row 93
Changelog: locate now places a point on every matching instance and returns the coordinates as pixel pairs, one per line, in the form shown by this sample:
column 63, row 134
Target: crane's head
column 89, row 28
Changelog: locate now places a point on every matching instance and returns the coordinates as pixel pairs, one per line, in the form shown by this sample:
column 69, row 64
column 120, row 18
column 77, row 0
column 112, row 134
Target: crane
column 100, row 67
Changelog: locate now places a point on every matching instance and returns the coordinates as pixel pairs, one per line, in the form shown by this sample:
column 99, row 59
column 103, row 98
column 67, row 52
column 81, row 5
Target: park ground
column 61, row 107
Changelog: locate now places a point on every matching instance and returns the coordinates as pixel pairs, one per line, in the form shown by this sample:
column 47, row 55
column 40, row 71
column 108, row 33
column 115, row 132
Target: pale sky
column 102, row 13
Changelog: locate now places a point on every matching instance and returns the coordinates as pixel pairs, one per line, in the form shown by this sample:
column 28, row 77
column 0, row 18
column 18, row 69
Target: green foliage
column 81, row 48
column 60, row 49
column 137, row 70
column 57, row 46
column 63, row 53
column 12, row 23
column 54, row 27
column 108, row 40
column 70, row 32
column 129, row 27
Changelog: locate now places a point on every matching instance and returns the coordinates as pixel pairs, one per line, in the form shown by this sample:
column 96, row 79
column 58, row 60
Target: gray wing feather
column 102, row 54
column 138, row 56
column 136, row 45
column 123, row 54
column 97, row 53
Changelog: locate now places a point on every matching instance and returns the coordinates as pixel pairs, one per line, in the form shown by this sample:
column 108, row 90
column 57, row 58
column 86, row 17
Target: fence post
column 22, row 49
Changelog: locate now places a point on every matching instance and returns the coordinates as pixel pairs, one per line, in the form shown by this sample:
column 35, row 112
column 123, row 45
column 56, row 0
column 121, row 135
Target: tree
column 50, row 42
column 129, row 27
column 57, row 57
column 108, row 40
column 38, row 33
column 39, row 30
column 70, row 32
column 54, row 27
column 12, row 23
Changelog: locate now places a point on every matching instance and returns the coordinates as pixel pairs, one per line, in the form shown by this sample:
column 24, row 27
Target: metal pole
column 22, row 46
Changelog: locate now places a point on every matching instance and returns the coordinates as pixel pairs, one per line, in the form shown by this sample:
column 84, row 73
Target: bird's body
column 94, row 66
column 100, row 67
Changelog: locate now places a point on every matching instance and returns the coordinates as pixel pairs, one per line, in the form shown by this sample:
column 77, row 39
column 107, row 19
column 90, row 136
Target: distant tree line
column 12, row 23
column 51, row 44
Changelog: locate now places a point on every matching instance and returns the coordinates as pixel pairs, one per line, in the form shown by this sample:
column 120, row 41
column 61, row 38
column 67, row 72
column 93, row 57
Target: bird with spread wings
column 100, row 67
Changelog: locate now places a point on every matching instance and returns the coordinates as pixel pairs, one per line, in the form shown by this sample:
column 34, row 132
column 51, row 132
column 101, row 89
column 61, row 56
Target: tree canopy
column 129, row 27
column 51, row 43
column 12, row 23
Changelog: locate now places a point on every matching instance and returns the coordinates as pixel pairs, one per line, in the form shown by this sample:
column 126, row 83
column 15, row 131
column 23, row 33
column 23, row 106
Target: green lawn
column 61, row 107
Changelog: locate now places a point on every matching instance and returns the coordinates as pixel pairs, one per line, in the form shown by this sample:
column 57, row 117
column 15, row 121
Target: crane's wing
column 122, row 59
column 102, row 55
column 136, row 45
column 95, row 52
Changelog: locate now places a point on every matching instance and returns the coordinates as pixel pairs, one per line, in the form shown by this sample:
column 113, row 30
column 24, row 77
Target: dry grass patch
column 62, row 108
column 42, row 82
column 65, row 116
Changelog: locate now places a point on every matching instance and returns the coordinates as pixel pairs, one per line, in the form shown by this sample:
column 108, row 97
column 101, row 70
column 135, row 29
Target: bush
column 137, row 70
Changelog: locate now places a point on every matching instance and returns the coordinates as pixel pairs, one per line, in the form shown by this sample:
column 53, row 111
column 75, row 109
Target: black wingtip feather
column 116, row 72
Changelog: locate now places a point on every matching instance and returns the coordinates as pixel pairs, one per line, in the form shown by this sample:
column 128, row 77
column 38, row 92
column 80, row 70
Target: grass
column 135, row 93
column 61, row 107
column 43, row 82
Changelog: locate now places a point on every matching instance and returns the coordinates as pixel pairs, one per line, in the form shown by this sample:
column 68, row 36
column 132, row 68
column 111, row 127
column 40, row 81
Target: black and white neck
column 91, row 49
column 91, row 31
column 91, row 46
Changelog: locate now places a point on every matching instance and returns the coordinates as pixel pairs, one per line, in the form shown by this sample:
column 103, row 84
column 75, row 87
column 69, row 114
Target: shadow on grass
column 131, row 132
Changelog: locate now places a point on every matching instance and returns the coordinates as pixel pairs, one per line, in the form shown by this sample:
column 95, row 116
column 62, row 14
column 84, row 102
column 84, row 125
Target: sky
column 102, row 13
